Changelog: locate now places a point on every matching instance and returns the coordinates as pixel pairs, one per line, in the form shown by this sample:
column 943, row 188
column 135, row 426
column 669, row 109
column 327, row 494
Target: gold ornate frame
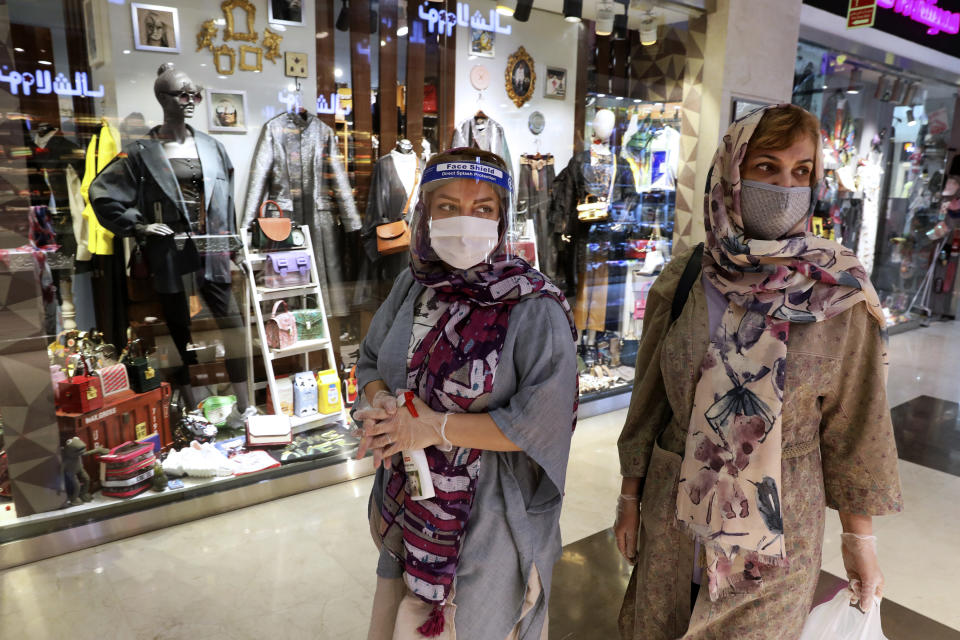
column 271, row 44
column 518, row 56
column 208, row 31
column 218, row 53
column 248, row 7
column 245, row 50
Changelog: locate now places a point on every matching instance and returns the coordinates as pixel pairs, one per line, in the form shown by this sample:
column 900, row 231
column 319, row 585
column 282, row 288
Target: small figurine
column 75, row 478
column 159, row 478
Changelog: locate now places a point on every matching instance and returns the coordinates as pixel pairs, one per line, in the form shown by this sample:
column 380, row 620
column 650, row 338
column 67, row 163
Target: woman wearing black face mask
column 760, row 398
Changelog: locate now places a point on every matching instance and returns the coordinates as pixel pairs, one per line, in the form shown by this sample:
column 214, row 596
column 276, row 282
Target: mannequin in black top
column 177, row 181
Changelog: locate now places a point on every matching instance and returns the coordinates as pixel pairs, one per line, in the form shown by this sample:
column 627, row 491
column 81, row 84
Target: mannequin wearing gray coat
column 296, row 165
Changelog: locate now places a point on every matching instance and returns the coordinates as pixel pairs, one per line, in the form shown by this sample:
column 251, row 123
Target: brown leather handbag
column 394, row 237
column 270, row 233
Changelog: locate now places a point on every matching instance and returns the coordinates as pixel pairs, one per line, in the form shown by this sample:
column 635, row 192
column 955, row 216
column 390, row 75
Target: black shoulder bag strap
column 687, row 280
column 686, row 283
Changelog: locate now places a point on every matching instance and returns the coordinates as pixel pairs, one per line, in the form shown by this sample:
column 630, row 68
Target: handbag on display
column 127, row 470
column 305, row 400
column 113, row 379
column 268, row 431
column 273, row 232
column 286, row 269
column 309, row 324
column 637, row 249
column 143, row 377
column 593, row 209
column 281, row 328
column 139, row 283
column 394, row 237
column 80, row 393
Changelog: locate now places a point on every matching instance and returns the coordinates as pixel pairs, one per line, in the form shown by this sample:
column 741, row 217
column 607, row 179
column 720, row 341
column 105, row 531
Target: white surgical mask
column 463, row 241
column 770, row 211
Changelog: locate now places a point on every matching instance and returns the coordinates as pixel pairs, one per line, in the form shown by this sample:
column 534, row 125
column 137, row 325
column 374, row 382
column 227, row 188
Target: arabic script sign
column 440, row 21
column 861, row 13
column 926, row 12
column 40, row 83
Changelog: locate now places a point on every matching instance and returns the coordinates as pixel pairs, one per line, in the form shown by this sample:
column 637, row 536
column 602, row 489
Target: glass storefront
column 198, row 203
column 886, row 136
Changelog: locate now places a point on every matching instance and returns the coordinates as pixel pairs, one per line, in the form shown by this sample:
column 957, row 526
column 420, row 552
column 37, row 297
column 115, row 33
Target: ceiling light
column 572, row 10
column 648, row 31
column 911, row 119
column 403, row 31
column 506, row 7
column 343, row 18
column 604, row 23
column 522, row 14
column 46, row 62
column 854, row 86
column 337, row 72
column 126, row 52
column 18, row 49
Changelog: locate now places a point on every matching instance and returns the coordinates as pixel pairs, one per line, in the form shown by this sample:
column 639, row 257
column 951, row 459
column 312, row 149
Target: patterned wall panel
column 658, row 70
column 26, row 397
column 688, row 229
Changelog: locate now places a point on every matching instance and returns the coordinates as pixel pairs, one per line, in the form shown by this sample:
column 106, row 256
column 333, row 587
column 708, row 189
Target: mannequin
column 179, row 182
column 393, row 190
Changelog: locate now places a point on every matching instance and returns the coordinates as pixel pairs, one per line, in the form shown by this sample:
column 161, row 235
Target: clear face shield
column 464, row 215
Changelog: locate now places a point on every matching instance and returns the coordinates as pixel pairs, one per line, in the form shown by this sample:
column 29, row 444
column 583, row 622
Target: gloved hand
column 402, row 431
column 627, row 525
column 383, row 406
column 863, row 569
column 157, row 229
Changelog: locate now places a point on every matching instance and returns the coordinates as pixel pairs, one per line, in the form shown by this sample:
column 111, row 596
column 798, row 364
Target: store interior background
column 715, row 64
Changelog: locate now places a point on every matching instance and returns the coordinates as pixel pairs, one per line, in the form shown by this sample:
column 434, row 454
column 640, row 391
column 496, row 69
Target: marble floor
column 303, row 566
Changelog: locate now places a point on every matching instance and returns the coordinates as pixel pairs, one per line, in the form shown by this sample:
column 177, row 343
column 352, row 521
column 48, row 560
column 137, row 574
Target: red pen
column 408, row 403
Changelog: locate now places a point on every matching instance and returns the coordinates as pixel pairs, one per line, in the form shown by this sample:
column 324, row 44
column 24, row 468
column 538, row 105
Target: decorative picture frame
column 218, row 53
column 520, row 77
column 245, row 52
column 226, row 111
column 280, row 12
column 155, row 27
column 555, row 86
column 482, row 43
column 97, row 53
column 230, row 31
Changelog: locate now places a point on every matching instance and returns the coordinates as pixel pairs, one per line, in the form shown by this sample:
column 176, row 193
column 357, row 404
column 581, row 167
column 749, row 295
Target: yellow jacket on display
column 101, row 150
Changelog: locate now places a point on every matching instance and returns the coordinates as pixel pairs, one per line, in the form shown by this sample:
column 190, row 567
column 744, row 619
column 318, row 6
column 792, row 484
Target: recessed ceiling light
column 46, row 62
column 18, row 49
column 338, row 72
column 402, row 31
column 126, row 52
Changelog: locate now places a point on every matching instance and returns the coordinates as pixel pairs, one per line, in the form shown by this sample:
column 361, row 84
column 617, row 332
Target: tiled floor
column 303, row 567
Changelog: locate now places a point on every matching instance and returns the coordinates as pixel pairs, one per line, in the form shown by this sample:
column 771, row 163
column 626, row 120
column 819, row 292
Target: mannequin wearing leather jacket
column 179, row 182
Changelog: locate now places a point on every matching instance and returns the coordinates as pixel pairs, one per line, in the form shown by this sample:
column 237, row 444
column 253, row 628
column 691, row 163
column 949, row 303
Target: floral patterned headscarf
column 729, row 494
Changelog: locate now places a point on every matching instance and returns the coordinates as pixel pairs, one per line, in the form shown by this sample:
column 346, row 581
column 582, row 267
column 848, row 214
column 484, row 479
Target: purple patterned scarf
column 453, row 370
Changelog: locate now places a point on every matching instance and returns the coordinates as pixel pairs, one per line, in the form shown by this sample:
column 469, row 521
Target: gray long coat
column 296, row 165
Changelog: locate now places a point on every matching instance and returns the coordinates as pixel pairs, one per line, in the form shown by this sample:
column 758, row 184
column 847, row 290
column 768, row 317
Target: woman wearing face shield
column 757, row 402
column 486, row 346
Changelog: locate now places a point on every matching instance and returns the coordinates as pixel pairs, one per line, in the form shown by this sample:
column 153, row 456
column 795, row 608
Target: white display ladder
column 259, row 295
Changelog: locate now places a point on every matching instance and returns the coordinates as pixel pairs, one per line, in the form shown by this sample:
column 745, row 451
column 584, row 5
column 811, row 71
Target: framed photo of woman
column 226, row 111
column 155, row 28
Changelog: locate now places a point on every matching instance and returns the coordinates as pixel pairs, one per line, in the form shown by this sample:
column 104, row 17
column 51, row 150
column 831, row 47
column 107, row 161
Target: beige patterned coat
column 839, row 451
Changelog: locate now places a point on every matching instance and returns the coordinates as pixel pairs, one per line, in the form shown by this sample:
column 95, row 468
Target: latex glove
column 157, row 229
column 404, row 432
column 627, row 526
column 383, row 406
column 863, row 568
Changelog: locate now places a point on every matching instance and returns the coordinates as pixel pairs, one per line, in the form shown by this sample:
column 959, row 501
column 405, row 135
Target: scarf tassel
column 434, row 624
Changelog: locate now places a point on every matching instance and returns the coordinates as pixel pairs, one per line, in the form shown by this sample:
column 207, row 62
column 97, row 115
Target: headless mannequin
column 405, row 161
column 177, row 95
column 603, row 124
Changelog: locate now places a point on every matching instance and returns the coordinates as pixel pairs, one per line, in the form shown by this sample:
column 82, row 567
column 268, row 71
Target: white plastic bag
column 837, row 620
